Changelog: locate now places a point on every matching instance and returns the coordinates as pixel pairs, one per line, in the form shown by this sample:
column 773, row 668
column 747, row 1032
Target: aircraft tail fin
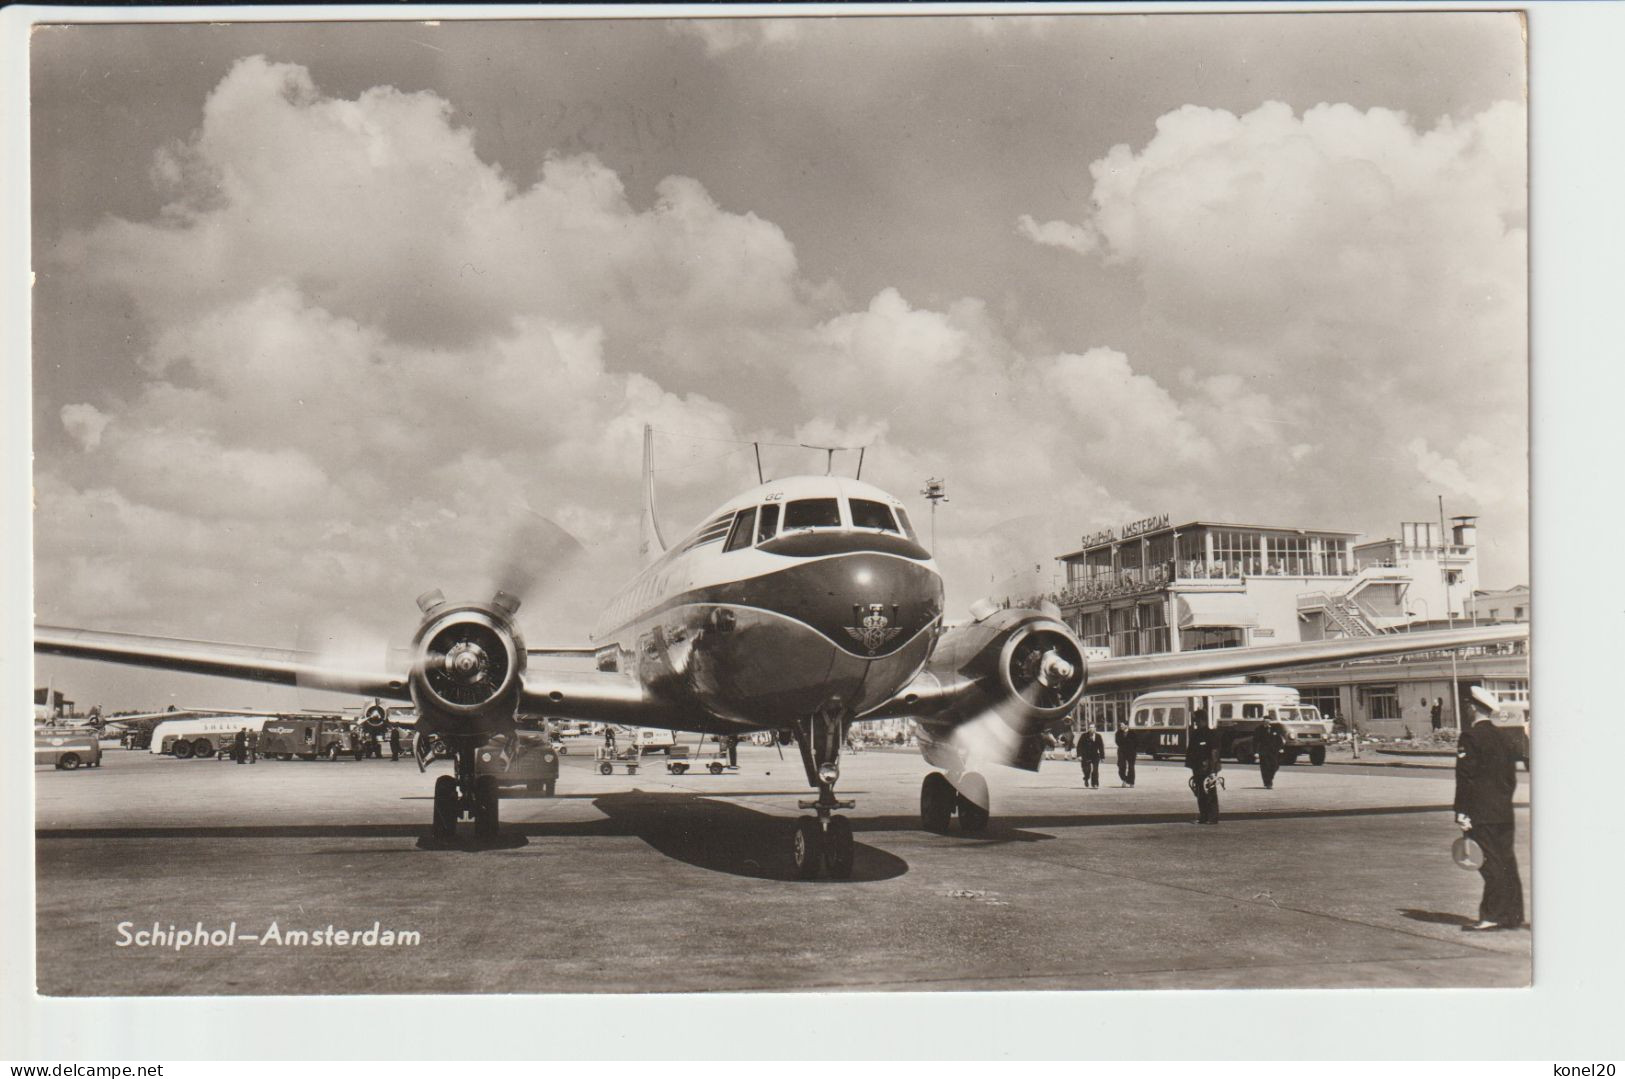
column 651, row 544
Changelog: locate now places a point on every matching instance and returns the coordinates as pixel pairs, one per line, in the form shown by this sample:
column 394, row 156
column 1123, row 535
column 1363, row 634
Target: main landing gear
column 941, row 800
column 823, row 841
column 465, row 794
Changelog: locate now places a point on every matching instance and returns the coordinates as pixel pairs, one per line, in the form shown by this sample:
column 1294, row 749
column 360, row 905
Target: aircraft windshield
column 812, row 513
column 867, row 514
column 768, row 524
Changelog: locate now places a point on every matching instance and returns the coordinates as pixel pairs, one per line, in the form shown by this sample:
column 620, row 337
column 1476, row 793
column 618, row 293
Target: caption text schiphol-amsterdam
column 175, row 938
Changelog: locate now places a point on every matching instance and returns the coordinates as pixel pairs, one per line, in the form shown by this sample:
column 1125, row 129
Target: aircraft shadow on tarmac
column 709, row 833
column 704, row 832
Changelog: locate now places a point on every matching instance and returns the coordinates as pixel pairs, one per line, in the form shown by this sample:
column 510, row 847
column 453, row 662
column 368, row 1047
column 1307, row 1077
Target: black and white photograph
column 924, row 502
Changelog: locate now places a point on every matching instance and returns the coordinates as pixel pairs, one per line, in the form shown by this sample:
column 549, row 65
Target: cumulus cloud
column 722, row 36
column 1079, row 238
column 1331, row 277
column 370, row 356
column 85, row 423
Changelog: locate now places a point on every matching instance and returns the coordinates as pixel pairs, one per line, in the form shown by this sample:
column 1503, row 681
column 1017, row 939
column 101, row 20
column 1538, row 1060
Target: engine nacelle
column 468, row 666
column 1033, row 659
column 1025, row 668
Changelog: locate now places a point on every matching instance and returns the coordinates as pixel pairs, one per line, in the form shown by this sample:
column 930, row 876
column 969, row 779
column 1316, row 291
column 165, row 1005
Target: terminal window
column 1383, row 702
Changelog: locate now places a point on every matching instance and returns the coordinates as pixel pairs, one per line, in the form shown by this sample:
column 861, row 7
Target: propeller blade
column 536, row 555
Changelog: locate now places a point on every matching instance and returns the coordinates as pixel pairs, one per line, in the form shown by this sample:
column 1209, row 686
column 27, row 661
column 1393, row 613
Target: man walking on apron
column 1091, row 748
column 1125, row 753
column 1267, row 744
column 1486, row 779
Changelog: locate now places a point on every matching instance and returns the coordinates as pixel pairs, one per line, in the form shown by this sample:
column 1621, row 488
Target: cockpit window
column 768, row 523
column 812, row 513
column 866, row 514
column 739, row 535
column 908, row 527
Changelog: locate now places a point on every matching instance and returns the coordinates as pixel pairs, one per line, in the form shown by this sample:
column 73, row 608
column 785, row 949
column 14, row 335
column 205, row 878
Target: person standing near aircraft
column 239, row 746
column 1486, row 779
column 394, row 743
column 1267, row 744
column 1125, row 753
column 1091, row 750
column 1202, row 758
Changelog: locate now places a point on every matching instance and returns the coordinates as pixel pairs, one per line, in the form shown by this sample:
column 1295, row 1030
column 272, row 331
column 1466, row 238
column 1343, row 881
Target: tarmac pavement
column 1339, row 877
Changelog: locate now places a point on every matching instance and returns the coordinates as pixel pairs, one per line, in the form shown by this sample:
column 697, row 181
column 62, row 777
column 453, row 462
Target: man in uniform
column 1267, row 744
column 394, row 743
column 1125, row 753
column 1436, row 713
column 1202, row 758
column 239, row 746
column 1091, row 750
column 1486, row 779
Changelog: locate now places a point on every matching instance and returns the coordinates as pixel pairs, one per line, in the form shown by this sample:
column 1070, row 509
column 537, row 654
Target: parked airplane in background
column 797, row 607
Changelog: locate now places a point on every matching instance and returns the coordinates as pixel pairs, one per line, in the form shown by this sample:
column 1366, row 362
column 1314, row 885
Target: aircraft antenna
column 861, row 451
column 757, row 446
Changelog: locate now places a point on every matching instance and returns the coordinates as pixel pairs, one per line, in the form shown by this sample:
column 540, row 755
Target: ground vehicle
column 309, row 737
column 529, row 761
column 1160, row 720
column 67, row 748
column 201, row 737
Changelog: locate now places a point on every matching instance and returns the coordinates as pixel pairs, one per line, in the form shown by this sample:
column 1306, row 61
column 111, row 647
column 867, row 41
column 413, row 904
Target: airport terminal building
column 1152, row 586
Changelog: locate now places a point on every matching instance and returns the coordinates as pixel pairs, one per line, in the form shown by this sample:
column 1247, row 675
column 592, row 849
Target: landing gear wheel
column 972, row 817
column 1317, row 755
column 937, row 797
column 445, row 807
column 807, row 848
column 606, row 768
column 840, row 850
column 485, row 807
column 970, row 801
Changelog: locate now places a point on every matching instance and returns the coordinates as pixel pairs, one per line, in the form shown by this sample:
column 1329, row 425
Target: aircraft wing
column 278, row 666
column 1134, row 673
column 977, row 702
column 590, row 695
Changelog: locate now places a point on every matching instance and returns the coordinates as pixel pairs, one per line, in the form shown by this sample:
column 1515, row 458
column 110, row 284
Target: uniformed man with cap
column 1486, row 779
column 1202, row 758
column 1268, row 742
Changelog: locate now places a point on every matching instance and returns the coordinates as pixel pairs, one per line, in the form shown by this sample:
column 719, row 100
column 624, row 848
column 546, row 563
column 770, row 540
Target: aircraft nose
column 887, row 602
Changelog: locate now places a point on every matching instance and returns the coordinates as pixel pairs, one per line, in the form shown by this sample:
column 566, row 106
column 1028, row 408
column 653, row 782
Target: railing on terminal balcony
column 1128, row 582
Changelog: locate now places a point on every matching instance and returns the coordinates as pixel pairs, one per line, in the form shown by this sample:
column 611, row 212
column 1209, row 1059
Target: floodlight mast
column 935, row 490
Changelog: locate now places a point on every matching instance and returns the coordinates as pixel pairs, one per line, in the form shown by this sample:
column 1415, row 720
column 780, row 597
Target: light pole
column 935, row 491
column 1450, row 618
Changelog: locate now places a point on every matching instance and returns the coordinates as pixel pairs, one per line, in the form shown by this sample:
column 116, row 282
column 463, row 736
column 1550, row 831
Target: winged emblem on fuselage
column 874, row 630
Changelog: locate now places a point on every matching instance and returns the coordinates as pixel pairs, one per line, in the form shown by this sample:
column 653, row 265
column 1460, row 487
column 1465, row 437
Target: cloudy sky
column 329, row 315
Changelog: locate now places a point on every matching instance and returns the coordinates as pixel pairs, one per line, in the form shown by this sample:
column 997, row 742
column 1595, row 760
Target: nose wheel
column 466, row 794
column 823, row 842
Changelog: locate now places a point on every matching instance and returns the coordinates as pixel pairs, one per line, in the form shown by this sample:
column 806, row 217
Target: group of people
column 1092, row 750
column 1486, row 780
column 1201, row 757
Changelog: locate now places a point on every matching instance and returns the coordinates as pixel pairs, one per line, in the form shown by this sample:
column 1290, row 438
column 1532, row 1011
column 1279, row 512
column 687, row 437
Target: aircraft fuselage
column 809, row 593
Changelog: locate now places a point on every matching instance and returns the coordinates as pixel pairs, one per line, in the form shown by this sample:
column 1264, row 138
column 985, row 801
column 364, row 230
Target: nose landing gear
column 823, row 841
column 465, row 793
